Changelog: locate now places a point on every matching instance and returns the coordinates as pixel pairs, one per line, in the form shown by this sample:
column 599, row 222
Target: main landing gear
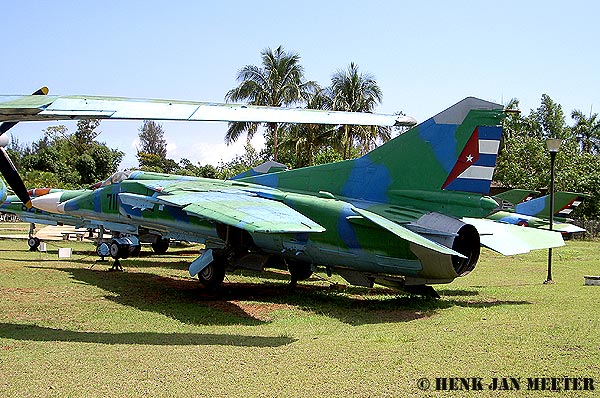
column 119, row 247
column 33, row 242
column 212, row 276
column 299, row 271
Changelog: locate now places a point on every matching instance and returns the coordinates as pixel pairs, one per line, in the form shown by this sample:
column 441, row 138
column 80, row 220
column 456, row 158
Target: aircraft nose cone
column 49, row 203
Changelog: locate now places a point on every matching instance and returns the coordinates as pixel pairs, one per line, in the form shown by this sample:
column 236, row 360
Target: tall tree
column 355, row 91
column 152, row 153
column 68, row 160
column 152, row 139
column 306, row 139
column 551, row 118
column 278, row 82
column 586, row 131
column 85, row 135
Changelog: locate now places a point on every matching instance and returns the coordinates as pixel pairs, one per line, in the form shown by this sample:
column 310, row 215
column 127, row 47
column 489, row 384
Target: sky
column 425, row 55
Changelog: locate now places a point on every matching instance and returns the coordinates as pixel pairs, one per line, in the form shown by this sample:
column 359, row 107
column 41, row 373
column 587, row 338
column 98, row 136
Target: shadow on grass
column 237, row 303
column 457, row 292
column 39, row 333
column 181, row 299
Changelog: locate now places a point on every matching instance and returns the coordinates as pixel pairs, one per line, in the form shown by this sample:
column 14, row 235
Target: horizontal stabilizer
column 508, row 239
column 406, row 234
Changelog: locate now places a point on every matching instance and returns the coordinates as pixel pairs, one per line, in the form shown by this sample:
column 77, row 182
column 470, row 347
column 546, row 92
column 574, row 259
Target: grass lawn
column 69, row 328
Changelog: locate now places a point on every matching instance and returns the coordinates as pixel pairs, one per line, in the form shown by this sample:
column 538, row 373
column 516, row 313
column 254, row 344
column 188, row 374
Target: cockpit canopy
column 113, row 179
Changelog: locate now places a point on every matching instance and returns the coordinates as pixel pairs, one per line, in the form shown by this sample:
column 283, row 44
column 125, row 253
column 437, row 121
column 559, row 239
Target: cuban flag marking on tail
column 475, row 165
column 566, row 211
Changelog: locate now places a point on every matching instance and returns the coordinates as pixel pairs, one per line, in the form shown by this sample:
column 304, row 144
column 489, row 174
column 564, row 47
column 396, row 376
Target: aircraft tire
column 212, row 276
column 33, row 243
column 118, row 251
column 103, row 250
column 136, row 250
column 161, row 245
column 299, row 271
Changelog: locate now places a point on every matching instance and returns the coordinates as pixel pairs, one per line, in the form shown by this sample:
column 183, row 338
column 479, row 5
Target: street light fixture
column 553, row 145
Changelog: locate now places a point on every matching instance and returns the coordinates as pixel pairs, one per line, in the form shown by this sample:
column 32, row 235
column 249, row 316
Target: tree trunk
column 273, row 126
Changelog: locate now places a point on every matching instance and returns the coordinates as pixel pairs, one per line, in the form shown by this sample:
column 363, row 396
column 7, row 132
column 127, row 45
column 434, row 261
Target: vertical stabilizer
column 454, row 150
column 564, row 204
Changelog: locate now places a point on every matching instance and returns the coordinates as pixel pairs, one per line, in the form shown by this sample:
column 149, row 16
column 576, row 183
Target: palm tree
column 354, row 91
column 586, row 131
column 306, row 139
column 279, row 82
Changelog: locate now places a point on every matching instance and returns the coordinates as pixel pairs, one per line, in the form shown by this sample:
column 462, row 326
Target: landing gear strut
column 123, row 247
column 33, row 242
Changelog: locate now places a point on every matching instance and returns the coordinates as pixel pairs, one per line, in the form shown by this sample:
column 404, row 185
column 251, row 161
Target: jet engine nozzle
column 450, row 232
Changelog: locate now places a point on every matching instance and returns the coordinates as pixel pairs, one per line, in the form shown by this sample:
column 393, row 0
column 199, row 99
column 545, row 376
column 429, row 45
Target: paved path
column 48, row 232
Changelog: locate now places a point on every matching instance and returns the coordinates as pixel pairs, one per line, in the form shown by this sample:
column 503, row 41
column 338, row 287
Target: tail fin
column 516, row 196
column 564, row 204
column 454, row 150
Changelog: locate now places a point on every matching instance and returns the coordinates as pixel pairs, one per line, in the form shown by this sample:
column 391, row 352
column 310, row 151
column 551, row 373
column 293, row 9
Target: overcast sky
column 425, row 55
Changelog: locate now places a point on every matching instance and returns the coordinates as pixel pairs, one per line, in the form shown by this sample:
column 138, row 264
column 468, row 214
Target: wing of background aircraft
column 36, row 108
column 39, row 107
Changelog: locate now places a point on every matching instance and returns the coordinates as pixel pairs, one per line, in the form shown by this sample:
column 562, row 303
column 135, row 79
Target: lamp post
column 553, row 145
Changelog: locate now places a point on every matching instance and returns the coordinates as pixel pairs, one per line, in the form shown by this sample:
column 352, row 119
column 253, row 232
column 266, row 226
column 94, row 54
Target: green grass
column 71, row 329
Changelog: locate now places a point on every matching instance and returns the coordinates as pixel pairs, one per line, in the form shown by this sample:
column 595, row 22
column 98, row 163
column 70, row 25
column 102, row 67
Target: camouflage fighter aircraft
column 13, row 205
column 39, row 106
column 408, row 214
column 32, row 215
column 514, row 196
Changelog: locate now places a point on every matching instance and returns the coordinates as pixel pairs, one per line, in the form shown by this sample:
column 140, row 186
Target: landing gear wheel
column 212, row 276
column 33, row 243
column 299, row 271
column 118, row 251
column 103, row 250
column 135, row 251
column 161, row 245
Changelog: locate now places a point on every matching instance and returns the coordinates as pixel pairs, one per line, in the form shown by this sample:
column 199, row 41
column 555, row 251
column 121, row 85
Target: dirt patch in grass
column 23, row 294
column 259, row 311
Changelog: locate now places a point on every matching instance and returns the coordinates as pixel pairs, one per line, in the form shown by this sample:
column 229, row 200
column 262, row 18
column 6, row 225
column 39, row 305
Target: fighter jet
column 408, row 214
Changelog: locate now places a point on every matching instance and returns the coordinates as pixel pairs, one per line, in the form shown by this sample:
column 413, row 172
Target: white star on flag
column 470, row 158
